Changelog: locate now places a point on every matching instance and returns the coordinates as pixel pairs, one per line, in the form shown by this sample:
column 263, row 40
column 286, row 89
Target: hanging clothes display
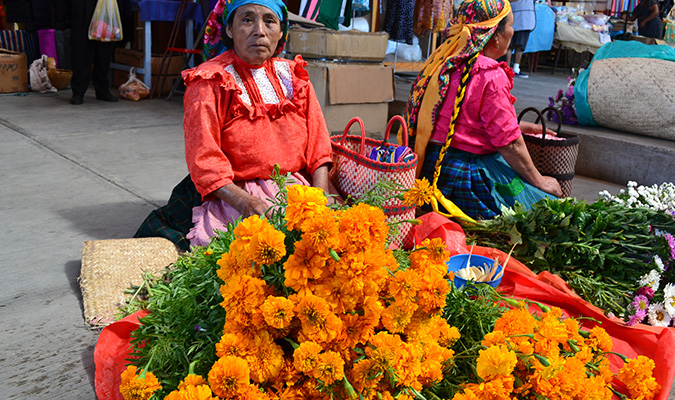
column 398, row 20
column 327, row 12
column 432, row 15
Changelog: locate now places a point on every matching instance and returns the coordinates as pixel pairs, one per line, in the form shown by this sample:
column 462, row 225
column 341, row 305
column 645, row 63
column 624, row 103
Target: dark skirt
column 479, row 184
column 174, row 220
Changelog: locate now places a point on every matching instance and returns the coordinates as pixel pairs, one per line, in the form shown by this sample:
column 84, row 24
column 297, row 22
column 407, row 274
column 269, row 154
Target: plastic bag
column 134, row 88
column 106, row 24
column 39, row 80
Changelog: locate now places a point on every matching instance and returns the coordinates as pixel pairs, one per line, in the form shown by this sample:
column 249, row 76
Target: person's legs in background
column 85, row 53
column 102, row 58
column 517, row 46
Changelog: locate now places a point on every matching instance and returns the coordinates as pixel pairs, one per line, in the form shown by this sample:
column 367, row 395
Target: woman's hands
column 529, row 127
column 243, row 202
column 516, row 154
column 320, row 180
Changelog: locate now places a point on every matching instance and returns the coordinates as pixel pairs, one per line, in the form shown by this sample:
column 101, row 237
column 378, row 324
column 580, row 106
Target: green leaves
column 603, row 245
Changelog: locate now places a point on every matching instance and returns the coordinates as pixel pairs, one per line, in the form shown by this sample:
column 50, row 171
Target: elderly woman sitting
column 463, row 121
column 245, row 112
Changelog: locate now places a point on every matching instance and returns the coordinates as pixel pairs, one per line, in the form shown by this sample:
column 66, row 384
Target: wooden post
column 374, row 16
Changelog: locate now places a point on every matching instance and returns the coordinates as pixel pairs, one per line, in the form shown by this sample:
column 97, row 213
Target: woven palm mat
column 635, row 95
column 110, row 267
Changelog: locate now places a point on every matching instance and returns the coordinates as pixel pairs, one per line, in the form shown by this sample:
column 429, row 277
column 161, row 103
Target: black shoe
column 521, row 74
column 106, row 96
column 76, row 99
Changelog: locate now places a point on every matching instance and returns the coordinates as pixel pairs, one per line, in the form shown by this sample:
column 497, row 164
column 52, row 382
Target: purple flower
column 199, row 328
column 641, row 303
column 671, row 243
column 646, row 291
column 637, row 317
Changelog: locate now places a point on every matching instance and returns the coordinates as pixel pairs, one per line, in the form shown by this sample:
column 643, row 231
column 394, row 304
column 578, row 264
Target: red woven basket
column 353, row 174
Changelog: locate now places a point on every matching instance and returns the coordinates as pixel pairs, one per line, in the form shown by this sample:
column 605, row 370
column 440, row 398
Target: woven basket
column 110, row 267
column 60, row 78
column 634, row 95
column 556, row 158
column 354, row 173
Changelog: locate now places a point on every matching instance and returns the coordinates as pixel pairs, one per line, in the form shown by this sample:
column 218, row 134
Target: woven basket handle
column 539, row 118
column 363, row 133
column 404, row 127
column 557, row 111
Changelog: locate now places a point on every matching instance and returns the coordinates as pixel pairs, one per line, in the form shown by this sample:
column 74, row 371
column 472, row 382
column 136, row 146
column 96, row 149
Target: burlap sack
column 635, row 95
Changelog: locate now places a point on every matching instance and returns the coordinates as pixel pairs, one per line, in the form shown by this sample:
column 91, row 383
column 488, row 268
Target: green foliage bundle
column 600, row 249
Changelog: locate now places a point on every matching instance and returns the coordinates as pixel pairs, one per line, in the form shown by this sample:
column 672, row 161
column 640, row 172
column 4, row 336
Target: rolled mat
column 111, row 267
column 635, row 95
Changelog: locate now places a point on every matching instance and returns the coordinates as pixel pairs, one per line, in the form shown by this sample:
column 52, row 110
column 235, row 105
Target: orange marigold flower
column 494, row 338
column 329, row 368
column 405, row 284
column 243, row 293
column 192, row 380
column 365, row 375
column 420, row 194
column 322, row 231
column 201, row 392
column 248, row 228
column 305, row 264
column 318, row 322
column 517, row 321
column 303, row 203
column 600, row 340
column 267, row 246
column 433, row 293
column 265, row 358
column 637, row 376
column 229, row 376
column 306, row 357
column 436, row 250
column 496, row 389
column 396, row 317
column 232, row 345
column 278, row 312
column 495, row 361
column 364, row 226
column 138, row 387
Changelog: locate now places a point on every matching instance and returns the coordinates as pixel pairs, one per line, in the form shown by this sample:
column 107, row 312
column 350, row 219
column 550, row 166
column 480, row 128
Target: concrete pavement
column 70, row 174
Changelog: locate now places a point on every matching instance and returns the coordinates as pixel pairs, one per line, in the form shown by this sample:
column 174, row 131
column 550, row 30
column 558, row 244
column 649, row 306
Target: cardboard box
column 135, row 58
column 120, row 77
column 337, row 45
column 13, row 72
column 353, row 90
column 337, row 83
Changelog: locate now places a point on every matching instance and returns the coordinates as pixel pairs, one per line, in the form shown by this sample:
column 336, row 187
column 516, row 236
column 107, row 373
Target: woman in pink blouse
column 486, row 165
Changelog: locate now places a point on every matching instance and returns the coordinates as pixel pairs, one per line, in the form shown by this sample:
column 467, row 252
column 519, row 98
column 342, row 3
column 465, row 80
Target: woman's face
column 499, row 44
column 255, row 31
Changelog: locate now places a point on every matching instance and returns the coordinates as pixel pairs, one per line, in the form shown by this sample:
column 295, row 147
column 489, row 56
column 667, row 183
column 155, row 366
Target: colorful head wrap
column 215, row 26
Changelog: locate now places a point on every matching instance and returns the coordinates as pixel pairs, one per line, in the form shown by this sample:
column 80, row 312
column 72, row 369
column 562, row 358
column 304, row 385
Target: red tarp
column 518, row 281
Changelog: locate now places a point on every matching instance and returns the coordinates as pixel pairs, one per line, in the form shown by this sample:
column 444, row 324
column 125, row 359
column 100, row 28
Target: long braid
column 459, row 100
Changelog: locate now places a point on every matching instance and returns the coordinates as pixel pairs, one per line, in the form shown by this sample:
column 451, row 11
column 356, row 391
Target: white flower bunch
column 656, row 197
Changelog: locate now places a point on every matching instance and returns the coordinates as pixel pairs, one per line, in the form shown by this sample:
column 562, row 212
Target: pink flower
column 646, row 291
column 641, row 303
column 637, row 317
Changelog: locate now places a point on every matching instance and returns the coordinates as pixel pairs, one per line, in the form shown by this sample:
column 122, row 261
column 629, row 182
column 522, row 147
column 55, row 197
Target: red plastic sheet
column 110, row 354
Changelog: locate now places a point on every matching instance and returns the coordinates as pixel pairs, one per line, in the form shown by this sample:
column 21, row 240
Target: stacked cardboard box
column 13, row 72
column 349, row 78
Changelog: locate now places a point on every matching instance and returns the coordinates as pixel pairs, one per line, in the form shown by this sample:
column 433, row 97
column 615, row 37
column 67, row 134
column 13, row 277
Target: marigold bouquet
column 317, row 307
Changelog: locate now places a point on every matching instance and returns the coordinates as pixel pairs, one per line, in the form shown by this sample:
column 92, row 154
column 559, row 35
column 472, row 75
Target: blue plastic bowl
column 459, row 261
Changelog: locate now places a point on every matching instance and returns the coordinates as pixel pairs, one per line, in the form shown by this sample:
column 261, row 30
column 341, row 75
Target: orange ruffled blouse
column 240, row 120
